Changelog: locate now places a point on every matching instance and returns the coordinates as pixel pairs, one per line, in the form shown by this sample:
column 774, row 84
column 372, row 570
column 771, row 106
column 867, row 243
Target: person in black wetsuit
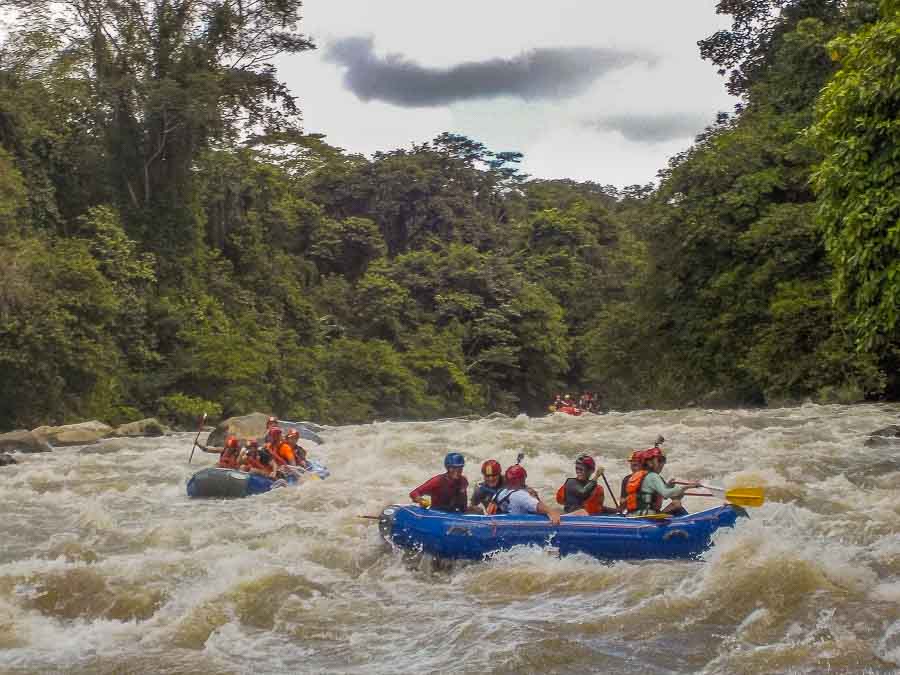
column 582, row 495
column 485, row 491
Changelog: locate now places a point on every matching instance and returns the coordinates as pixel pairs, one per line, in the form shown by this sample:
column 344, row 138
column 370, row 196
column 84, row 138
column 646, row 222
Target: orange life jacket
column 594, row 504
column 633, row 499
column 285, row 454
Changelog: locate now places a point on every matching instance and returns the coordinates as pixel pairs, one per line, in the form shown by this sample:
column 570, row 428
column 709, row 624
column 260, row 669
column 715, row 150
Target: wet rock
column 887, row 437
column 23, row 441
column 84, row 433
column 6, row 460
column 253, row 426
column 243, row 426
column 146, row 427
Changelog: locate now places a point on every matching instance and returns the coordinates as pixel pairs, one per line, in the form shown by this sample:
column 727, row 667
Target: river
column 107, row 567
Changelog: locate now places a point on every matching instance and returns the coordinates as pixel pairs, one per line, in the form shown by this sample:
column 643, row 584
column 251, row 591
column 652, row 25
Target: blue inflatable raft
column 219, row 483
column 468, row 536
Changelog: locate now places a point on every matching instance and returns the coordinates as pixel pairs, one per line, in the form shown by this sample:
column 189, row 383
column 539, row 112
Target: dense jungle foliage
column 172, row 242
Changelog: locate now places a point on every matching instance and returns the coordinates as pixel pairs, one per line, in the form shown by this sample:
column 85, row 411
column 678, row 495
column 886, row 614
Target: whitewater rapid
column 107, row 567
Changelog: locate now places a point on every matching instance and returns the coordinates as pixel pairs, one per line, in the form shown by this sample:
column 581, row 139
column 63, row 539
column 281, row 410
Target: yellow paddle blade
column 746, row 496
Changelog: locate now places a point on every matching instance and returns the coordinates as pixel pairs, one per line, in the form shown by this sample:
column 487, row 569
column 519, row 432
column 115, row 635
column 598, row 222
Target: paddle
column 744, row 496
column 608, row 487
column 197, row 437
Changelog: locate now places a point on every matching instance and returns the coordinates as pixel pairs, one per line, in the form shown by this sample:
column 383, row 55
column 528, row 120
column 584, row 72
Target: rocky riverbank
column 47, row 438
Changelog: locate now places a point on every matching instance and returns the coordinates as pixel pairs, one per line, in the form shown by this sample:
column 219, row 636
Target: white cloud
column 552, row 135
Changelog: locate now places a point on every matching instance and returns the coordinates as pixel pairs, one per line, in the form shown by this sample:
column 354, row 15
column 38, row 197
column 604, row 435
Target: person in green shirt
column 654, row 489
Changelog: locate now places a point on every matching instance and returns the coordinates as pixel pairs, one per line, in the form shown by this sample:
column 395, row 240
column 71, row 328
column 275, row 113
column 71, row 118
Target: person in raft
column 292, row 439
column 228, row 455
column 674, row 507
column 646, row 489
column 258, row 460
column 271, row 423
column 446, row 491
column 582, row 496
column 280, row 450
column 636, row 463
column 485, row 491
column 514, row 498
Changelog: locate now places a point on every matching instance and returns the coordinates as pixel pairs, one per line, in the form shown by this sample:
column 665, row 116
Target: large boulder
column 84, row 433
column 146, row 427
column 253, row 426
column 7, row 459
column 889, row 436
column 23, row 441
column 242, row 426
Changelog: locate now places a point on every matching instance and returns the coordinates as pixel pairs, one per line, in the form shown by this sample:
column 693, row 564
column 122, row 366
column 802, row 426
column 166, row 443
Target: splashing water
column 107, row 566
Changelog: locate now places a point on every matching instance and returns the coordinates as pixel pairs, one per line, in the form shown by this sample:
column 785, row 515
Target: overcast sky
column 596, row 90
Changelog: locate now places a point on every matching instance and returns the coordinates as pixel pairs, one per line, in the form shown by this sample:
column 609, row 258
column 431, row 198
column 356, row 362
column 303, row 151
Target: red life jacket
column 228, row 460
column 634, row 501
column 254, row 463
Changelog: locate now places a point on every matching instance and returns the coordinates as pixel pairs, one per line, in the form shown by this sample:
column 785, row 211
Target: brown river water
column 107, row 567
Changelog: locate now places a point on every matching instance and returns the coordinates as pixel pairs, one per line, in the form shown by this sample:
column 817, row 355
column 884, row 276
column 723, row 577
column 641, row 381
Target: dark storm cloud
column 538, row 74
column 654, row 128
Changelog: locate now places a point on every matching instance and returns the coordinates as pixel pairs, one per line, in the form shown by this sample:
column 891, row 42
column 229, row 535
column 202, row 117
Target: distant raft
column 217, row 483
column 570, row 410
column 472, row 537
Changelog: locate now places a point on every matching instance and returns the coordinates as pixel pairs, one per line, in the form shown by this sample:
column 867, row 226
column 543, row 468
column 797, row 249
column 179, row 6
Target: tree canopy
column 172, row 241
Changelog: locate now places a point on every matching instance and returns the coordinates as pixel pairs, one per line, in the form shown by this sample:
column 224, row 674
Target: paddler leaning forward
column 514, row 498
column 646, row 490
column 446, row 491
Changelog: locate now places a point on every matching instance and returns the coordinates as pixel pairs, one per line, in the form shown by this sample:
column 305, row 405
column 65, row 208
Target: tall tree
column 172, row 77
column 858, row 182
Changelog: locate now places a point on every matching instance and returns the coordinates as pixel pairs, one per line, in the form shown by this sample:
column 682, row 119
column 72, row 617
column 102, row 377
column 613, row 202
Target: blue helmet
column 454, row 459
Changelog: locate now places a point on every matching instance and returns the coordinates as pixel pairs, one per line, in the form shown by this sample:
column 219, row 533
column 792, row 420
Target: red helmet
column 636, row 456
column 650, row 453
column 491, row 468
column 516, row 474
column 232, row 442
column 253, row 443
column 587, row 462
column 276, row 432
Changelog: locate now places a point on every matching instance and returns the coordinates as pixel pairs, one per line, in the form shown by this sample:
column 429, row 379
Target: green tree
column 12, row 193
column 346, row 247
column 858, row 182
column 171, row 78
